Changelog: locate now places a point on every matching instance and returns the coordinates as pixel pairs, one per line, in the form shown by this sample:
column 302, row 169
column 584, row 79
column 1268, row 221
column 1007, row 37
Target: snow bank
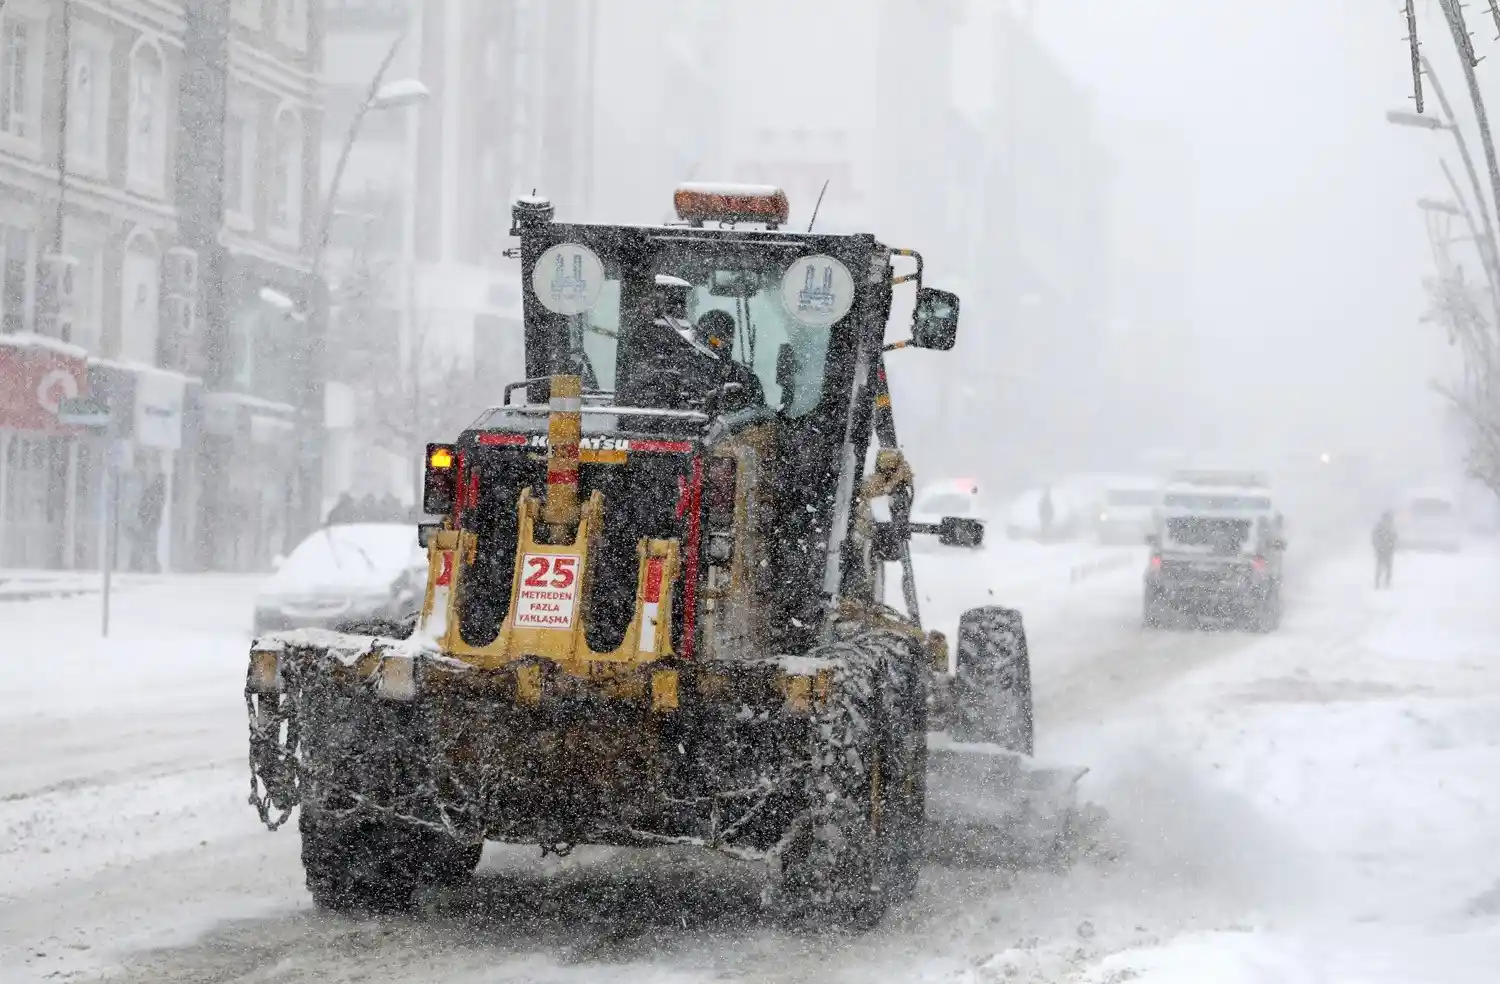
column 1336, row 784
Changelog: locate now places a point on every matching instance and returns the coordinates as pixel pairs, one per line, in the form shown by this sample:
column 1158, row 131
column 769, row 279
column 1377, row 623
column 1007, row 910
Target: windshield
column 786, row 355
column 1131, row 497
column 597, row 332
column 667, row 322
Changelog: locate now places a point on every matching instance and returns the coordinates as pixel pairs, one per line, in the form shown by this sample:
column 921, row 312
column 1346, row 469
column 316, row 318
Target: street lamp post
column 380, row 95
column 1467, row 61
column 1489, row 250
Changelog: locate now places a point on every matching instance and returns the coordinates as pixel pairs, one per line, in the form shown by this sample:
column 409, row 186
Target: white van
column 1127, row 512
column 1429, row 519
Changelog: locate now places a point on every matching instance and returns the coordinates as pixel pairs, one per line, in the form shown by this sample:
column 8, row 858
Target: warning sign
column 548, row 593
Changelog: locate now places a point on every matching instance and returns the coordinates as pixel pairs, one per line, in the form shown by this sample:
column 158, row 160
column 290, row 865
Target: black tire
column 1267, row 616
column 365, row 863
column 904, row 768
column 1153, row 610
column 861, row 848
column 992, row 682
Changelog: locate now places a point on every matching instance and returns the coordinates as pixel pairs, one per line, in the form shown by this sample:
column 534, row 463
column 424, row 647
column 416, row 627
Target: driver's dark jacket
column 680, row 374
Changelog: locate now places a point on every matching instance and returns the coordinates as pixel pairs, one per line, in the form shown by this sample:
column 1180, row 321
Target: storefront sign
column 83, row 411
column 34, row 382
column 158, row 410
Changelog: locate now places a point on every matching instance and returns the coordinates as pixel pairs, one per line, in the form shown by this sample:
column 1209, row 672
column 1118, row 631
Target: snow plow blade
column 990, row 807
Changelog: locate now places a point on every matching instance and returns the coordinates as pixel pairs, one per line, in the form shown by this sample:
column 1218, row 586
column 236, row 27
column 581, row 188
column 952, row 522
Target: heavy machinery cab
column 729, row 380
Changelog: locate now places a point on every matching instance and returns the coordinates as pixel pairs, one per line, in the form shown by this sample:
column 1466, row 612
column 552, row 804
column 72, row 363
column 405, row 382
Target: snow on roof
column 729, row 188
column 1198, row 488
column 29, row 339
column 129, row 365
column 245, row 399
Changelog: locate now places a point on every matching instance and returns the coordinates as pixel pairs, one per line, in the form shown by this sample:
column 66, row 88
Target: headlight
column 1103, row 517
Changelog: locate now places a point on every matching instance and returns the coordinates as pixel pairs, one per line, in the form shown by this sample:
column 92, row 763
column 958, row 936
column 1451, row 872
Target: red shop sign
column 33, row 381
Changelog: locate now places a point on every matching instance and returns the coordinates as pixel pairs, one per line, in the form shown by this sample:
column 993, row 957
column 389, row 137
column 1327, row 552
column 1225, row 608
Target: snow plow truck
column 655, row 611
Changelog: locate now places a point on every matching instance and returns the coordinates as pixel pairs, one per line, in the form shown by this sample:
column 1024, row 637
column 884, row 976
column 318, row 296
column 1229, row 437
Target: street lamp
column 273, row 298
column 1488, row 249
column 381, row 95
column 401, row 93
column 1403, row 117
column 1442, row 207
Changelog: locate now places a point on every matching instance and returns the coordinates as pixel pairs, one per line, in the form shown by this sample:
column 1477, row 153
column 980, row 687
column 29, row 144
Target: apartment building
column 119, row 275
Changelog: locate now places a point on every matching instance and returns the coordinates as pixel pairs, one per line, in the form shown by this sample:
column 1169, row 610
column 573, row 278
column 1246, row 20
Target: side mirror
column 956, row 532
column 425, row 532
column 277, row 562
column 1152, row 540
column 1278, row 544
column 935, row 320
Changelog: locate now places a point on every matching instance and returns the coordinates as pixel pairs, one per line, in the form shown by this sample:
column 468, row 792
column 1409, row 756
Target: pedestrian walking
column 1046, row 513
column 342, row 511
column 148, row 526
column 1383, row 539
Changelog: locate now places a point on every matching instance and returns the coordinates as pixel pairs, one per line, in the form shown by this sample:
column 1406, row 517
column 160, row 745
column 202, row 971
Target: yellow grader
column 656, row 606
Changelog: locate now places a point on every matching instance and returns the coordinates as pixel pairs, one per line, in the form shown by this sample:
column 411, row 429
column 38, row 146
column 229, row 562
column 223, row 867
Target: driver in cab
column 690, row 362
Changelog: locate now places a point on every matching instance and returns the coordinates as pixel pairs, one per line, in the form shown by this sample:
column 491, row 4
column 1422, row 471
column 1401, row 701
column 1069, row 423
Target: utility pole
column 1467, row 61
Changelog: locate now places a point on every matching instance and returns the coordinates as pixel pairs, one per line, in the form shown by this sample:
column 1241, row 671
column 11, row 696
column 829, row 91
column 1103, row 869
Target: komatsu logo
column 539, row 441
column 608, row 449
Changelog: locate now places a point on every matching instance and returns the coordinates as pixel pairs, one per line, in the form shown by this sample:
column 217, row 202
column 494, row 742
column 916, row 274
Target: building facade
column 112, row 126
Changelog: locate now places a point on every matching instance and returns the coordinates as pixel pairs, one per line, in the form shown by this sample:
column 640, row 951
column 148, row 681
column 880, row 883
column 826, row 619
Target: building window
column 139, row 307
column 290, row 20
column 16, row 280
column 148, row 148
column 19, row 92
column 247, row 12
column 286, row 177
column 88, row 277
column 88, row 104
column 239, row 164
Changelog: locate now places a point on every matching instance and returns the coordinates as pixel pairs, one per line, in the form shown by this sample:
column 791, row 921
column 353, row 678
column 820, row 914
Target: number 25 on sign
column 548, row 593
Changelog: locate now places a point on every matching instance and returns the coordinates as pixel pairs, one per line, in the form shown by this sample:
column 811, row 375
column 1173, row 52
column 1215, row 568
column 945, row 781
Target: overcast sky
column 1309, row 248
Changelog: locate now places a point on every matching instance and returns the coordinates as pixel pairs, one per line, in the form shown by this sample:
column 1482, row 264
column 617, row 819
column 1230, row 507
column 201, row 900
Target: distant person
column 153, row 501
column 1383, row 539
column 1046, row 513
column 342, row 511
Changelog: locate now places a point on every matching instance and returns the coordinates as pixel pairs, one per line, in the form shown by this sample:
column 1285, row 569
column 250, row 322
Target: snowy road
column 1318, row 805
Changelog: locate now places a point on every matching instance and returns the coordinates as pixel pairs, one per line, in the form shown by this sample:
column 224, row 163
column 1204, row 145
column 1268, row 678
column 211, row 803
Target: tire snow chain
column 273, row 764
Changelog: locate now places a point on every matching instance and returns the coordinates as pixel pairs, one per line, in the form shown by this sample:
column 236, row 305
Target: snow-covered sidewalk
column 1330, row 797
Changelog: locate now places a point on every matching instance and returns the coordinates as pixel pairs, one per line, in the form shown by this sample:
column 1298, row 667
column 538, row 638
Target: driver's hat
column 716, row 329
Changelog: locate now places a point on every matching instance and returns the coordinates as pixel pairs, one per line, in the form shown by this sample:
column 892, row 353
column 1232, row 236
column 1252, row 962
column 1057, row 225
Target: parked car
column 1429, row 520
column 345, row 572
column 1127, row 514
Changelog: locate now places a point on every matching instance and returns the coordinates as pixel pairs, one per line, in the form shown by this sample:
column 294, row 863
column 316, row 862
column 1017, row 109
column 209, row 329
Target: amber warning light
column 440, row 483
column 700, row 203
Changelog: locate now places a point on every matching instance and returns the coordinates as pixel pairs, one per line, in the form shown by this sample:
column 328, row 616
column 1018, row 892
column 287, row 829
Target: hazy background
column 1308, row 245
